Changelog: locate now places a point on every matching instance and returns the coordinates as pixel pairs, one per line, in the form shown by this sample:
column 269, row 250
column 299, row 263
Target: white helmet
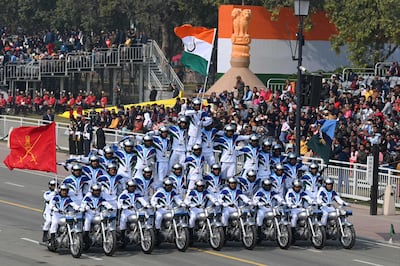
column 163, row 129
column 229, row 128
column 95, row 186
column 200, row 183
column 196, row 101
column 147, row 138
column 297, row 183
column 147, row 170
column 251, row 173
column 76, row 167
column 108, row 149
column 232, row 180
column 329, row 181
column 128, row 143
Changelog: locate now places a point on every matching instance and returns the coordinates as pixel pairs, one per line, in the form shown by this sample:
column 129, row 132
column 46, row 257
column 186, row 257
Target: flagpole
column 208, row 69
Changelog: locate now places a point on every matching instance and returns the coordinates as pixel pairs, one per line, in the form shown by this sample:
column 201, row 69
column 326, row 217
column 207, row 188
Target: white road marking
column 14, row 184
column 30, row 240
column 37, row 243
column 308, row 249
column 367, row 262
column 379, row 244
column 91, row 257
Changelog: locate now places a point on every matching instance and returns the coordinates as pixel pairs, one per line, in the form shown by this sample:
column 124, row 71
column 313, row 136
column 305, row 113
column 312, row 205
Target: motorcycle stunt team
column 167, row 170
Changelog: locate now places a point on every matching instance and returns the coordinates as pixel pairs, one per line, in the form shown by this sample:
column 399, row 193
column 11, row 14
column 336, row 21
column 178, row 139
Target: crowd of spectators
column 17, row 47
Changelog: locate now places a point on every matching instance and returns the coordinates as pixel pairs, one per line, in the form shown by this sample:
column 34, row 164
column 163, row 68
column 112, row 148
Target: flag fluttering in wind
column 33, row 148
column 198, row 46
column 321, row 143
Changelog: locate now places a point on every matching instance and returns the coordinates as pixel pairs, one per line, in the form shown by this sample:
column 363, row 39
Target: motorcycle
column 174, row 228
column 242, row 227
column 309, row 227
column 338, row 227
column 276, row 228
column 69, row 234
column 103, row 231
column 140, row 230
column 209, row 229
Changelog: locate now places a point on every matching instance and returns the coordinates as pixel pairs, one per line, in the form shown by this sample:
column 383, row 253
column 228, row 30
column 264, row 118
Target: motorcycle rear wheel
column 285, row 240
column 249, row 241
column 182, row 240
column 217, row 242
column 76, row 246
column 320, row 237
column 110, row 243
column 147, row 244
column 348, row 239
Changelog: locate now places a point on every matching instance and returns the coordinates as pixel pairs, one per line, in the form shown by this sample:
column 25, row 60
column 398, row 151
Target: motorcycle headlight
column 62, row 221
column 96, row 219
column 202, row 216
column 269, row 215
column 342, row 212
column 132, row 218
column 168, row 216
column 302, row 215
column 234, row 215
column 332, row 215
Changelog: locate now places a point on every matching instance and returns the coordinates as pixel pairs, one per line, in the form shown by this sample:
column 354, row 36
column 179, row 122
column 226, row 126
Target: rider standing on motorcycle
column 276, row 156
column 145, row 154
column 198, row 199
column 165, row 198
column 77, row 183
column 146, row 183
column 208, row 135
column 312, row 181
column 93, row 170
column 194, row 166
column 280, row 181
column 326, row 197
column 213, row 180
column 178, row 179
column 264, row 158
column 112, row 184
column 107, row 157
column 48, row 196
column 126, row 159
column 249, row 184
column 129, row 201
column 179, row 141
column 162, row 144
column 265, row 198
column 196, row 116
column 230, row 198
column 59, row 205
column 250, row 153
column 227, row 145
column 292, row 167
column 90, row 204
column 295, row 200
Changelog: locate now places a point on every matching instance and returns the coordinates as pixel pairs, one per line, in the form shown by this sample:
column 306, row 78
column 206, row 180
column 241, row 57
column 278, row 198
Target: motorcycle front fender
column 347, row 224
column 218, row 224
column 182, row 224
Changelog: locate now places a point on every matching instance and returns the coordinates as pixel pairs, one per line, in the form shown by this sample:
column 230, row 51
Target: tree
column 369, row 29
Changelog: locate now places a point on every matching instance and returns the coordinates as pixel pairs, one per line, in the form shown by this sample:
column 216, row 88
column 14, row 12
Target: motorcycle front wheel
column 250, row 239
column 285, row 239
column 110, row 243
column 318, row 241
column 218, row 239
column 182, row 239
column 76, row 245
column 148, row 242
column 348, row 238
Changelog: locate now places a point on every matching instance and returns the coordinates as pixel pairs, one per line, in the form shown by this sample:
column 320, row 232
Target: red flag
column 33, row 148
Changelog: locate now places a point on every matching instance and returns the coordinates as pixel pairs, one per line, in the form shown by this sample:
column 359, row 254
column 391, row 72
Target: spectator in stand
column 48, row 117
column 3, row 103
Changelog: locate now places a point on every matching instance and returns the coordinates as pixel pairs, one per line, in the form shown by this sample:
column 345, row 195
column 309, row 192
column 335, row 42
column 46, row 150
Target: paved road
column 20, row 230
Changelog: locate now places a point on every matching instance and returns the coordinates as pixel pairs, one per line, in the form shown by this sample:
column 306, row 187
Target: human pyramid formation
column 129, row 177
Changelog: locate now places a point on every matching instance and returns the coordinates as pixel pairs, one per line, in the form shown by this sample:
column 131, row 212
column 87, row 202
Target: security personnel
column 91, row 203
column 112, row 184
column 179, row 142
column 197, row 199
column 162, row 144
column 326, row 198
column 145, row 183
column 194, row 166
column 129, row 202
column 48, row 196
column 126, row 160
column 60, row 204
column 145, row 154
column 295, row 199
column 165, row 198
column 230, row 197
column 78, row 183
column 178, row 179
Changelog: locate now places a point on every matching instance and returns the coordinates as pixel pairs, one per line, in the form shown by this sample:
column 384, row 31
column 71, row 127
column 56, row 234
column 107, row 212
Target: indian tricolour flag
column 198, row 43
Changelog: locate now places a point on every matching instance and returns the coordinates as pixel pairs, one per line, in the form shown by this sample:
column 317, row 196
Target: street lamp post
column 301, row 8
